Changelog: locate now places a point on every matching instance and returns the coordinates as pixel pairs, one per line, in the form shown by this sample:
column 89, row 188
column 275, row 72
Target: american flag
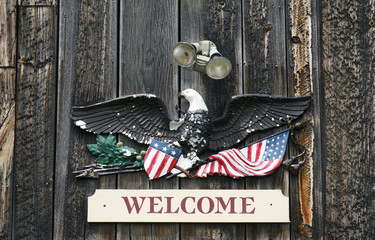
column 160, row 159
column 258, row 159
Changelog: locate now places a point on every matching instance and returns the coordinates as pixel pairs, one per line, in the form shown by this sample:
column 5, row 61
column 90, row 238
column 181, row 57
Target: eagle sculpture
column 143, row 117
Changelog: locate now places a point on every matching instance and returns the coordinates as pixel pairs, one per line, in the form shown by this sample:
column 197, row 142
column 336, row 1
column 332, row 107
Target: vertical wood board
column 35, row 123
column 148, row 32
column 7, row 132
column 300, row 40
column 348, row 79
column 265, row 72
column 219, row 22
column 87, row 74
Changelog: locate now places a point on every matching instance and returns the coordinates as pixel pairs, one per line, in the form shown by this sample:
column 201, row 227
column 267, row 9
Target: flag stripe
column 171, row 165
column 146, row 164
column 158, row 160
column 258, row 159
column 161, row 166
column 153, row 156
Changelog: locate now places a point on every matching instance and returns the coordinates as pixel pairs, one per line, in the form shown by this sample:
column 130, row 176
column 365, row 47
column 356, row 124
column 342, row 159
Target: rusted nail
column 222, row 4
column 371, row 23
column 351, row 21
column 25, row 60
column 296, row 39
column 268, row 27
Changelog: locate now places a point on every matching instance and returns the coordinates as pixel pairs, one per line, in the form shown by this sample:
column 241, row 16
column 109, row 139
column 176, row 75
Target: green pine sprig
column 111, row 153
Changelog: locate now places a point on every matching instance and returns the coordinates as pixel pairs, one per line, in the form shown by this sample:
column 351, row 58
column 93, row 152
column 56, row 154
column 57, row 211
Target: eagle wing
column 245, row 114
column 140, row 117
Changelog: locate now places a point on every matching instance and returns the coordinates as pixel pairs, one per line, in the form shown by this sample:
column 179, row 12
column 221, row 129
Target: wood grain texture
column 348, row 74
column 7, row 132
column 264, row 47
column 87, row 74
column 265, row 71
column 36, row 2
column 317, row 113
column 35, row 124
column 8, row 20
column 148, row 32
column 300, row 40
column 219, row 22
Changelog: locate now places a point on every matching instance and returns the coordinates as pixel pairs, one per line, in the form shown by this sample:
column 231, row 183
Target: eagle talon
column 288, row 164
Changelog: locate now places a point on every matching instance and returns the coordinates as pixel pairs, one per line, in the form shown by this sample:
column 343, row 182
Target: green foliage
column 109, row 152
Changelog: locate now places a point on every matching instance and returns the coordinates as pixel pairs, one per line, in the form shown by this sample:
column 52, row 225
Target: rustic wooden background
column 56, row 54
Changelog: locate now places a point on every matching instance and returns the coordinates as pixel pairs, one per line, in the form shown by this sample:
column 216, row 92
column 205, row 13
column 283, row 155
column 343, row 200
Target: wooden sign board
column 214, row 206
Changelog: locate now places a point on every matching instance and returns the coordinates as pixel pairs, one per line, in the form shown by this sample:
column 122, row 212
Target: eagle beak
column 181, row 95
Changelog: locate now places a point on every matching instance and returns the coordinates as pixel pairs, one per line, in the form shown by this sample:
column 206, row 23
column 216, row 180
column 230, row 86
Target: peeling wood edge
column 7, row 137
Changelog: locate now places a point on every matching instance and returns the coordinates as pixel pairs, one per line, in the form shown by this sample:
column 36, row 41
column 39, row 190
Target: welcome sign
column 237, row 206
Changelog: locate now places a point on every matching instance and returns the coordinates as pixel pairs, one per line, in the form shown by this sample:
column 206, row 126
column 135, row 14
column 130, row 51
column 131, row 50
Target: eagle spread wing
column 245, row 114
column 140, row 117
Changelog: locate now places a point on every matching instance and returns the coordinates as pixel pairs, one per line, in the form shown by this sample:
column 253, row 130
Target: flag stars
column 164, row 149
column 156, row 145
column 173, row 153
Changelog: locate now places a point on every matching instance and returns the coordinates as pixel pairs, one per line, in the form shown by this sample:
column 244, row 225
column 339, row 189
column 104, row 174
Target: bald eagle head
column 195, row 100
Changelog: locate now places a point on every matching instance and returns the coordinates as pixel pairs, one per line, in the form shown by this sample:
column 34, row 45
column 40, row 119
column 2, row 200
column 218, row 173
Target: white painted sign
column 215, row 206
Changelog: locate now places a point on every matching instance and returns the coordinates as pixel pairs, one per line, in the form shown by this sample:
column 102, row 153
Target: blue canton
column 164, row 148
column 275, row 146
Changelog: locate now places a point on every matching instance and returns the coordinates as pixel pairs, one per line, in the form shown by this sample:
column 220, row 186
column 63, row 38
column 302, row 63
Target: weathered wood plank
column 264, row 47
column 36, row 2
column 265, row 71
column 8, row 20
column 35, row 124
column 7, row 129
column 148, row 32
column 219, row 22
column 300, row 42
column 87, row 74
column 348, row 72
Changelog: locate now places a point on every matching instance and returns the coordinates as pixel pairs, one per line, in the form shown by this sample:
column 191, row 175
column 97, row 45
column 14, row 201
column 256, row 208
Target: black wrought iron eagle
column 142, row 117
